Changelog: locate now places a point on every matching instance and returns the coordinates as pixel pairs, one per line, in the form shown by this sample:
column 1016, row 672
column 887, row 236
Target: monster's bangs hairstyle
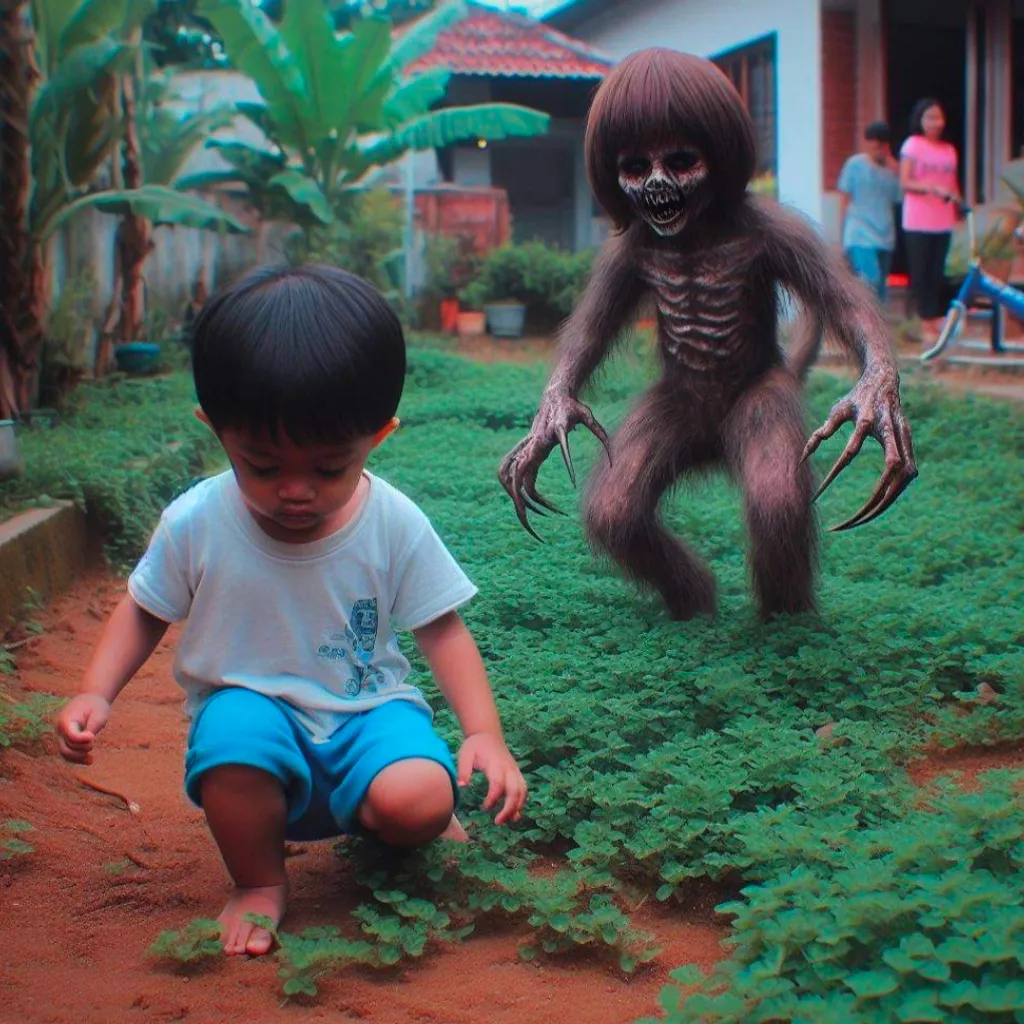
column 659, row 97
column 311, row 350
column 917, row 114
column 877, row 131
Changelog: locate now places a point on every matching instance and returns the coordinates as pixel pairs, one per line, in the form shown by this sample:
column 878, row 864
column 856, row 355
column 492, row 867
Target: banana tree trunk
column 24, row 307
column 135, row 233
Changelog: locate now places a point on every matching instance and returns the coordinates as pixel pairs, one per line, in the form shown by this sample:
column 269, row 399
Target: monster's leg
column 764, row 439
column 650, row 450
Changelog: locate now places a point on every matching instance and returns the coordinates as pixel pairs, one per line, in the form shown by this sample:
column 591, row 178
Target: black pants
column 926, row 259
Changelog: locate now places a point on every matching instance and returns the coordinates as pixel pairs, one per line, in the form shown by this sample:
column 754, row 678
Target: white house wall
column 710, row 27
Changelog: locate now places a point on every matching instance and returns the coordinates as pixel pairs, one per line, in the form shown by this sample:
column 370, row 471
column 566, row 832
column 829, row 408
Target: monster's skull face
column 665, row 186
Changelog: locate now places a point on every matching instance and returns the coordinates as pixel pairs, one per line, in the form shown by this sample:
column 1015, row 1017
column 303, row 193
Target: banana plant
column 69, row 75
column 97, row 108
column 338, row 104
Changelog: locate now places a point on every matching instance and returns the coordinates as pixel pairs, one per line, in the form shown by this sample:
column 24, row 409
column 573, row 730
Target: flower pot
column 449, row 315
column 10, row 455
column 506, row 319
column 471, row 325
column 137, row 356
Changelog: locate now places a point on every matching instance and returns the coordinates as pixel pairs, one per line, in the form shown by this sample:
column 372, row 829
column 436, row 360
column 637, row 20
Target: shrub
column 548, row 280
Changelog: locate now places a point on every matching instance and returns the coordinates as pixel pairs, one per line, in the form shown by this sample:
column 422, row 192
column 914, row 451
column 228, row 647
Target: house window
column 752, row 70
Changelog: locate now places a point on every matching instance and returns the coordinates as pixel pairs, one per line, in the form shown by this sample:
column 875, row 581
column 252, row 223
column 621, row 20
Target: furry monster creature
column 670, row 153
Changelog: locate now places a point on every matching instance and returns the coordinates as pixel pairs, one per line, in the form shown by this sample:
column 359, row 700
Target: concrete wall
column 710, row 27
column 42, row 551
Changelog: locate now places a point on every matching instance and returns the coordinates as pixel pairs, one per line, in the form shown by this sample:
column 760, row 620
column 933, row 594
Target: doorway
column 926, row 55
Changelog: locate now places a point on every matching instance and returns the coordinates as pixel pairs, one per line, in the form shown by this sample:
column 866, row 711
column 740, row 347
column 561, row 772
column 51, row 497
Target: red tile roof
column 501, row 44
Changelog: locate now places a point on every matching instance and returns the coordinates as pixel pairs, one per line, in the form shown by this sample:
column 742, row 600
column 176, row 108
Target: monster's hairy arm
column 586, row 338
column 611, row 296
column 849, row 313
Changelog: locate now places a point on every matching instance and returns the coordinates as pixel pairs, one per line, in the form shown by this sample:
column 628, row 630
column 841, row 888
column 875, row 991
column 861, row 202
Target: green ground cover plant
column 662, row 756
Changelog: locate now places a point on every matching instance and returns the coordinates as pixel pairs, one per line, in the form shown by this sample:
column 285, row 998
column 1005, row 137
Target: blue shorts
column 324, row 783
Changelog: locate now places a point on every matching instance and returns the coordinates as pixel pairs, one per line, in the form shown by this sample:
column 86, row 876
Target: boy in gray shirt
column 869, row 186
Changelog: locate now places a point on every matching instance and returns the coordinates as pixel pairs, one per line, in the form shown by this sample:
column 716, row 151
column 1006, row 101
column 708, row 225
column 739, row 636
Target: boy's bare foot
column 242, row 936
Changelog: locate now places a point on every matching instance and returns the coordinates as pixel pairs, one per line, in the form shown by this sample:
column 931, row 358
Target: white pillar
column 582, row 201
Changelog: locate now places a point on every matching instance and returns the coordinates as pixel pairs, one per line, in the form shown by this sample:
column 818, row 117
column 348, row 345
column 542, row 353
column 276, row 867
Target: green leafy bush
column 365, row 237
column 916, row 920
column 546, row 279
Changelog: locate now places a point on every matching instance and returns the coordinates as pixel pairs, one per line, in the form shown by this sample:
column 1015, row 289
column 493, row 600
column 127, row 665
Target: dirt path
column 78, row 914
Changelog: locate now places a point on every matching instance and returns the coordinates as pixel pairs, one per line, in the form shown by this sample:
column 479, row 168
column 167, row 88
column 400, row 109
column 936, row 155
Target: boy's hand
column 78, row 725
column 487, row 753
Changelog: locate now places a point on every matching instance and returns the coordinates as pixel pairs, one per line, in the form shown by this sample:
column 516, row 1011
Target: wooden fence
column 84, row 249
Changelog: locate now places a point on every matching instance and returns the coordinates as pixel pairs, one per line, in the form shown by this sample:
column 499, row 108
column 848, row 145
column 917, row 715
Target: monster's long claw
column 520, row 505
column 535, row 509
column 836, row 418
column 599, row 432
column 534, row 495
column 891, row 486
column 563, row 443
column 853, row 446
column 814, row 441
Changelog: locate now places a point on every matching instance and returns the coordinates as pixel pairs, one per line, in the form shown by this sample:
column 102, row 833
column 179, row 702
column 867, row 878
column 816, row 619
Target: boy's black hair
column 878, row 131
column 916, row 128
column 311, row 350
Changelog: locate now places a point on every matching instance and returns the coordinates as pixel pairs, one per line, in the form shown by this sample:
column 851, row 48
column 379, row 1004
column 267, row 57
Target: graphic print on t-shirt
column 353, row 649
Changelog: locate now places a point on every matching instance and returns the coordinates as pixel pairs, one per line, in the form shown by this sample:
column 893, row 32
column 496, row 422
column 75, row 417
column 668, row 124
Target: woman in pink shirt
column 931, row 192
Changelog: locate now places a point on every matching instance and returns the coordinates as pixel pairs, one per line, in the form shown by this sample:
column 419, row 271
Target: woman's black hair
column 916, row 128
column 311, row 350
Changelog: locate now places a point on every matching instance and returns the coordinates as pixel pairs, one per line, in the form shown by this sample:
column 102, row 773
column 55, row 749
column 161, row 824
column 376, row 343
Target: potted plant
column 441, row 254
column 501, row 291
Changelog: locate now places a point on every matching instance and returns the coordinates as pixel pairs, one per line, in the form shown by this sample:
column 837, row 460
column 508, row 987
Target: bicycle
column 979, row 284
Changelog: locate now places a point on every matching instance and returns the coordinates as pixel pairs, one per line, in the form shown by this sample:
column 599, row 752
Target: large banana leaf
column 169, row 140
column 305, row 192
column 72, row 126
column 156, row 203
column 73, row 82
column 255, row 47
column 259, row 115
column 321, row 58
column 491, row 121
column 207, row 181
column 90, row 22
column 441, row 128
column 253, row 163
column 49, row 18
column 371, row 44
column 415, row 96
column 255, row 169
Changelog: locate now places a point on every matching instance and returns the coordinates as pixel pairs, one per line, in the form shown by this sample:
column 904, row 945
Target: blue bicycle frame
column 979, row 284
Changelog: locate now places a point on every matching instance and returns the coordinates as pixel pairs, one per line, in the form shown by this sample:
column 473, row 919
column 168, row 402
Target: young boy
column 869, row 187
column 292, row 572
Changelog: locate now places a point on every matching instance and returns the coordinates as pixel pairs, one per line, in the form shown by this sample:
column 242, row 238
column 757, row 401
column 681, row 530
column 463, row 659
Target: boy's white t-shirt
column 312, row 623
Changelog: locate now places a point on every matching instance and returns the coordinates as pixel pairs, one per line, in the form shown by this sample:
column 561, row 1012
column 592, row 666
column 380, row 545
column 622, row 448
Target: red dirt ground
column 77, row 915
